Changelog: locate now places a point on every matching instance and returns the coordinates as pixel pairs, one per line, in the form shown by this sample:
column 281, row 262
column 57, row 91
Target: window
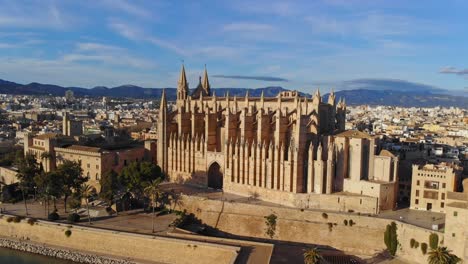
column 442, row 205
column 97, row 167
column 443, row 196
column 455, row 213
column 453, row 234
column 88, row 166
column 417, row 193
column 416, row 201
column 417, row 182
column 443, row 185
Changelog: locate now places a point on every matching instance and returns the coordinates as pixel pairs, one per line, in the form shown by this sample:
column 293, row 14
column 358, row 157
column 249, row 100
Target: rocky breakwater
column 59, row 253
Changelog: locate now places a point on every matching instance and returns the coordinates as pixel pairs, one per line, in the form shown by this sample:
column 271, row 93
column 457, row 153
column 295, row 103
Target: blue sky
column 309, row 43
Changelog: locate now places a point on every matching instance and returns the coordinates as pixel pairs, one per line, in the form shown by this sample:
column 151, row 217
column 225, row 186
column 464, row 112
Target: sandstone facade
column 286, row 143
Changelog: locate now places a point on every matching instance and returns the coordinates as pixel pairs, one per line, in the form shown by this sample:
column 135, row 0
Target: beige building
column 431, row 184
column 43, row 147
column 456, row 219
column 71, row 127
column 95, row 162
column 52, row 149
column 283, row 144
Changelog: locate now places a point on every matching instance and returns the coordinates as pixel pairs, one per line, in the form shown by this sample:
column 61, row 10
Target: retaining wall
column 119, row 244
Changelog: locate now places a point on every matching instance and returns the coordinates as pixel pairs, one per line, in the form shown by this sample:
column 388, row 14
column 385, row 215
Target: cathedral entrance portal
column 215, row 176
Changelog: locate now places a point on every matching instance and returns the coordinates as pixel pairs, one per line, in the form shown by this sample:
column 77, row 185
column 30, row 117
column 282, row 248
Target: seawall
column 121, row 245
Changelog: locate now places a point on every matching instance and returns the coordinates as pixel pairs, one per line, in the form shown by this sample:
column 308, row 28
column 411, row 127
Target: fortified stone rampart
column 365, row 236
column 119, row 244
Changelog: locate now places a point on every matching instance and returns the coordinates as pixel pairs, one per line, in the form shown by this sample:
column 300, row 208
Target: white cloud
column 107, row 54
column 72, row 73
column 245, row 26
column 371, row 24
column 129, row 8
column 34, row 15
column 135, row 34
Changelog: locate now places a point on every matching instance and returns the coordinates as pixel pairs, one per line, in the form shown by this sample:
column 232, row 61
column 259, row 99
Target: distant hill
column 400, row 98
column 378, row 96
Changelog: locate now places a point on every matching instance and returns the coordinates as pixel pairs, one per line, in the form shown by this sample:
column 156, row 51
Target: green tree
column 312, row 256
column 27, row 170
column 49, row 184
column 109, row 186
column 391, row 239
column 72, row 178
column 441, row 255
column 86, row 192
column 433, row 240
column 137, row 175
column 153, row 192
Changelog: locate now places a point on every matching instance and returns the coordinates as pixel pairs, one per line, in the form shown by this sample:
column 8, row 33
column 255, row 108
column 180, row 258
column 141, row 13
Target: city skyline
column 297, row 45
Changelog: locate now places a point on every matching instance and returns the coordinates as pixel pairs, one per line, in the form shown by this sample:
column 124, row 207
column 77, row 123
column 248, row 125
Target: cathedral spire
column 182, row 85
column 262, row 100
column 206, row 82
column 332, row 98
column 163, row 103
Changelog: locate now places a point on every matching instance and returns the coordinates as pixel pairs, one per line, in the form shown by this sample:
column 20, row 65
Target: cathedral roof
column 200, row 90
column 354, row 134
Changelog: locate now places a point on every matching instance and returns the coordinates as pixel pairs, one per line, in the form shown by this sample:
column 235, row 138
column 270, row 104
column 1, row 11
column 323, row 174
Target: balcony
column 431, row 185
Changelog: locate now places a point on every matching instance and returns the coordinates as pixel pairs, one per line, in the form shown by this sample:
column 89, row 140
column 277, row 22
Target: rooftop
column 83, row 148
column 354, row 134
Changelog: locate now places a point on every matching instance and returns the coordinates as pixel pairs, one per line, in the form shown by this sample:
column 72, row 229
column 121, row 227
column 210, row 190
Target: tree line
column 68, row 183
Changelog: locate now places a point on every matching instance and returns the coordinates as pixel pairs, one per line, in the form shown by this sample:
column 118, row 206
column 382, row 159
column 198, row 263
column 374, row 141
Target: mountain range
column 365, row 91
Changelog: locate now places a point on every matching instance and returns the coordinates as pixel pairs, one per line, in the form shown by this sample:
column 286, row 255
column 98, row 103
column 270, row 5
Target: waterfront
column 10, row 256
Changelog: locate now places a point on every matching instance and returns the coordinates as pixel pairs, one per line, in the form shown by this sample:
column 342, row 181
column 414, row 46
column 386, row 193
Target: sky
column 300, row 45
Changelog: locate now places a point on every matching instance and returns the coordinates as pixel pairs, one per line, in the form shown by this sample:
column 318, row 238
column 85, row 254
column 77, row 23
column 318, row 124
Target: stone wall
column 8, row 175
column 119, row 244
column 364, row 237
column 333, row 202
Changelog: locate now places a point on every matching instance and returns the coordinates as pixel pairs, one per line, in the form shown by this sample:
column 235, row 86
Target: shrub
column 433, row 241
column 351, row 222
column 53, row 216
column 330, row 227
column 391, row 239
column 416, row 245
column 17, row 219
column 350, row 211
column 270, row 221
column 424, row 248
column 412, row 243
column 9, row 219
column 73, row 218
column 31, row 221
column 68, row 233
column 345, row 222
column 325, row 215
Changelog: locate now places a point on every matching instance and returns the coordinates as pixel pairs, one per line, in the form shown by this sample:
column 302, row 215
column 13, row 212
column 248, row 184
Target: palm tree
column 153, row 191
column 441, row 255
column 86, row 192
column 312, row 256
